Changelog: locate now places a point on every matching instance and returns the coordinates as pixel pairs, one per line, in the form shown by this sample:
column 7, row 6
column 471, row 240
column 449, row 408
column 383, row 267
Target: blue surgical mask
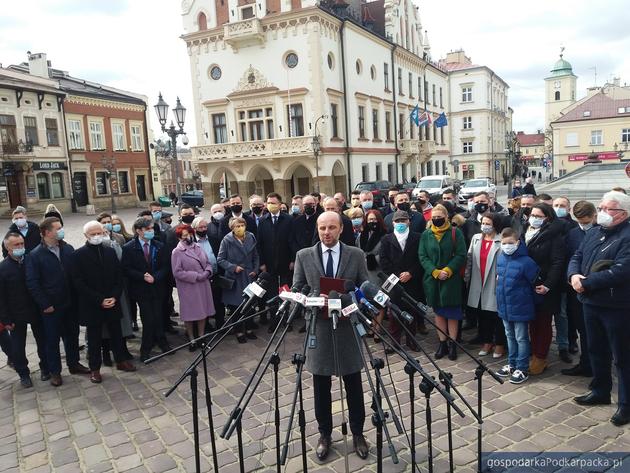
column 356, row 222
column 295, row 209
column 400, row 227
column 18, row 252
column 561, row 212
column 509, row 248
column 536, row 222
column 109, row 227
column 367, row 205
column 585, row 226
column 117, row 227
column 20, row 222
column 156, row 215
column 149, row 234
column 60, row 234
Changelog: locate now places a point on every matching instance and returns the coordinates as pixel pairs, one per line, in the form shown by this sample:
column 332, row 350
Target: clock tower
column 559, row 89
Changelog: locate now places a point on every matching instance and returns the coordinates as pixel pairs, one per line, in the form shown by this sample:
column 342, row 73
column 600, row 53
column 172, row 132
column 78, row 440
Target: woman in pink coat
column 192, row 272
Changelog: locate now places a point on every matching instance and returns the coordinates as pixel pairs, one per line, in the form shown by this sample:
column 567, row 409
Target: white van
column 434, row 185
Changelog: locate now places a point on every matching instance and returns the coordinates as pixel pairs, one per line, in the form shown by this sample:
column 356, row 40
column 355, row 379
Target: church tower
column 559, row 89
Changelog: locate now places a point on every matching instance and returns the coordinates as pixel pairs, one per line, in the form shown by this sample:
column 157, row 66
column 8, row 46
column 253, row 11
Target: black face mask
column 202, row 233
column 526, row 211
column 236, row 209
column 372, row 226
column 188, row 219
column 438, row 222
column 257, row 210
column 404, row 206
column 481, row 207
column 308, row 210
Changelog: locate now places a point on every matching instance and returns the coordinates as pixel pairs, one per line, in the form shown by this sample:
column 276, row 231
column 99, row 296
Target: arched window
column 444, row 167
column 43, row 185
column 202, row 21
column 57, row 186
column 557, row 95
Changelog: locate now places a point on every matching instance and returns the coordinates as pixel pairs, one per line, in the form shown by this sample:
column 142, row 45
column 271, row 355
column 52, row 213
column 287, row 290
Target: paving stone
column 160, row 463
column 128, row 463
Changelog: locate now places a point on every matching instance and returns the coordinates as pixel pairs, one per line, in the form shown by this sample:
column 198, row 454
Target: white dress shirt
column 336, row 254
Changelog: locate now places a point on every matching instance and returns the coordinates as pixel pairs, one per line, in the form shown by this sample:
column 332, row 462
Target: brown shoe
column 79, row 369
column 125, row 366
column 323, row 447
column 55, row 380
column 360, row 446
column 537, row 365
column 95, row 377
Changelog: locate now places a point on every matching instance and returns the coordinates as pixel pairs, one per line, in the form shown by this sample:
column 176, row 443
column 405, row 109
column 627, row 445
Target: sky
column 135, row 44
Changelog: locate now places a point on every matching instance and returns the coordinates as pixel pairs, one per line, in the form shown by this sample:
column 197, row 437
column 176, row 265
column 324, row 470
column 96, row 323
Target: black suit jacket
column 273, row 242
column 134, row 266
column 394, row 260
column 31, row 240
column 16, row 303
column 302, row 231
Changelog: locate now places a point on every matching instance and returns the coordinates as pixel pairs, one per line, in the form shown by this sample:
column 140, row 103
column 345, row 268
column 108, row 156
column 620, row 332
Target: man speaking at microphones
column 332, row 259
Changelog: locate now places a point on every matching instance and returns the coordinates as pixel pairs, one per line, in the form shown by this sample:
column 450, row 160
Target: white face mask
column 218, row 216
column 487, row 229
column 585, row 226
column 509, row 248
column 95, row 240
column 20, row 222
column 604, row 219
column 536, row 222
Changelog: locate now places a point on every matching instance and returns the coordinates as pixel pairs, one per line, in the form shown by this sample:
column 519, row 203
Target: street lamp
column 513, row 157
column 315, row 143
column 161, row 108
column 110, row 165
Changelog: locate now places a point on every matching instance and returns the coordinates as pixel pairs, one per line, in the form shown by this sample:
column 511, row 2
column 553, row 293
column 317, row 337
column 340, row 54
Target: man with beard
column 417, row 223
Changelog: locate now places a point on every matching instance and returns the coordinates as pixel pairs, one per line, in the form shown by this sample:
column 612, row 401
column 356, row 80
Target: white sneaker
column 518, row 377
column 505, row 372
column 496, row 355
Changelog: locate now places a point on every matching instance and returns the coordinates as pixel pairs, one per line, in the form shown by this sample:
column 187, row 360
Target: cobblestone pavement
column 126, row 423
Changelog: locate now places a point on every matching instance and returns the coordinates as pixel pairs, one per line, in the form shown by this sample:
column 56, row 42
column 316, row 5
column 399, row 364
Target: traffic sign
column 628, row 169
column 497, row 164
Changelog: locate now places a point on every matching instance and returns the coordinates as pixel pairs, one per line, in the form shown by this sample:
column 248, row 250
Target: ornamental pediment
column 252, row 79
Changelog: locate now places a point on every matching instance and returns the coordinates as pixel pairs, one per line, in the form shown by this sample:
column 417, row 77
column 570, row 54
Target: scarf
column 369, row 239
column 438, row 232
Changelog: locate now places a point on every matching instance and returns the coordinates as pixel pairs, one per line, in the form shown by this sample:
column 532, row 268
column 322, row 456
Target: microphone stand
column 344, row 425
column 445, row 378
column 409, row 369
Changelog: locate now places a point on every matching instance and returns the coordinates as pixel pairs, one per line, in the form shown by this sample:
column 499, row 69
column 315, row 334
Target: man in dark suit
column 303, row 227
column 257, row 209
column 217, row 215
column 347, row 234
column 332, row 258
column 236, row 210
column 390, row 204
column 417, row 224
column 144, row 263
column 48, row 280
column 29, row 230
column 97, row 277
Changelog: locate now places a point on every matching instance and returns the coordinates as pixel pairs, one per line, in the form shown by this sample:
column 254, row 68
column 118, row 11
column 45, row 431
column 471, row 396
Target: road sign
column 455, row 162
column 497, row 164
column 628, row 169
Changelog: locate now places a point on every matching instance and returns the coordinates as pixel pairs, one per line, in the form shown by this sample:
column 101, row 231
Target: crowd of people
column 510, row 272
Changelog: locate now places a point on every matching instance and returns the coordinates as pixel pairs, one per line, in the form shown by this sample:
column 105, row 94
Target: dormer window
column 586, row 113
column 247, row 12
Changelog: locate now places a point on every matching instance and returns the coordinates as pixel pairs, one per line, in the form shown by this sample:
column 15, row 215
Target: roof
column 562, row 67
column 598, row 106
column 530, row 139
column 457, row 66
column 8, row 80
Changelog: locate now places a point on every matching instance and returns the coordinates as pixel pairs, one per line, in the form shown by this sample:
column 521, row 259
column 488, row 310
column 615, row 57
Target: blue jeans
column 561, row 321
column 60, row 325
column 517, row 335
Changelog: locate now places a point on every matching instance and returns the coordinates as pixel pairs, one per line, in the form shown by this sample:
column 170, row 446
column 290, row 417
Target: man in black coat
column 399, row 255
column 304, row 226
column 29, row 230
column 98, row 279
column 48, row 280
column 18, row 310
column 417, row 224
column 215, row 236
column 236, row 210
column 144, row 263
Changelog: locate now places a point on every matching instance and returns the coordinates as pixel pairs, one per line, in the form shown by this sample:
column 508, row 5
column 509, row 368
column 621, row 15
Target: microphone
column 396, row 290
column 382, row 300
column 334, row 307
column 287, row 298
column 350, row 308
column 314, row 302
column 300, row 300
column 357, row 294
column 254, row 292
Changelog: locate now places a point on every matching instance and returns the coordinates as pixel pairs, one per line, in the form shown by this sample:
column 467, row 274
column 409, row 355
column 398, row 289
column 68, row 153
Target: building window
column 412, row 127
column 401, row 125
column 123, row 182
column 52, row 133
column 571, row 139
column 379, row 171
column 296, row 120
column 443, row 168
column 256, row 125
column 75, row 137
column 467, row 123
column 557, row 95
column 426, row 91
column 433, row 94
column 373, row 72
column 118, row 134
column 390, row 172
column 96, row 136
column 400, row 90
column 441, row 98
column 101, row 183
column 219, row 128
column 420, row 88
column 30, row 130
column 388, row 126
column 597, row 137
column 334, row 120
column 43, row 185
column 136, row 138
column 386, row 76
column 361, row 121
column 252, row 125
column 291, row 60
column 358, row 66
column 442, row 135
column 435, row 137
column 467, row 147
column 625, row 135
column 467, row 94
column 410, row 84
column 57, row 186
column 375, row 124
column 365, row 172
column 268, row 123
column 331, row 61
column 247, row 12
column 202, row 21
column 8, row 134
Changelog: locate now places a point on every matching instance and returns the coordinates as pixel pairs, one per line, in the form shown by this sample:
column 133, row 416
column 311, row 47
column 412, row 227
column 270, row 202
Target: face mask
column 536, row 222
column 400, row 227
column 404, row 206
column 236, row 209
column 487, row 229
column 18, row 252
column 308, row 210
column 367, row 205
column 509, row 248
column 20, row 222
column 258, row 210
column 561, row 211
column 202, row 233
column 604, row 219
column 60, row 234
column 189, row 241
column 471, row 206
column 106, row 238
column 438, row 222
column 149, row 234
column 239, row 232
column 355, row 202
column 422, row 201
column 95, row 240
column 273, row 208
column 585, row 226
column 156, row 215
column 116, row 227
column 218, row 216
column 526, row 211
column 356, row 222
column 108, row 227
column 188, row 219
column 373, row 226
column 481, row 207
column 295, row 209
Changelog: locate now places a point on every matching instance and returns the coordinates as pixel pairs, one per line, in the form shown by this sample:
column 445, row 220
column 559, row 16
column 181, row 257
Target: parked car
column 472, row 186
column 434, row 185
column 194, row 198
column 408, row 187
column 378, row 188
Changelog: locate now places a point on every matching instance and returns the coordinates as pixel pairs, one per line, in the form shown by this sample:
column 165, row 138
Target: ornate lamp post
column 161, row 108
column 316, row 149
column 513, row 157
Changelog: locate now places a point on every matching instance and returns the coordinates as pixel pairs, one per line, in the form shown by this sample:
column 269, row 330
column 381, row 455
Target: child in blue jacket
column 516, row 275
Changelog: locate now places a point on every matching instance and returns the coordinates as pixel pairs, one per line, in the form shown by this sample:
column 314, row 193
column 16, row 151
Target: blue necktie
column 329, row 265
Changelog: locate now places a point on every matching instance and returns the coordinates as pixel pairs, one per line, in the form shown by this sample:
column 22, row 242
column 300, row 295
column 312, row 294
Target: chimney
column 38, row 65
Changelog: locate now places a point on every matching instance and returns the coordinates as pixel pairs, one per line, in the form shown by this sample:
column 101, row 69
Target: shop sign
column 48, row 165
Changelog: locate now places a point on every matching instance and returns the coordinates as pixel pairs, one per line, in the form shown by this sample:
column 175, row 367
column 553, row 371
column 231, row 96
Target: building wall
column 565, row 86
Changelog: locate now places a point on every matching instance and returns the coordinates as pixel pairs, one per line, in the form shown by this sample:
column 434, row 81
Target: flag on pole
column 425, row 119
column 441, row 120
column 414, row 116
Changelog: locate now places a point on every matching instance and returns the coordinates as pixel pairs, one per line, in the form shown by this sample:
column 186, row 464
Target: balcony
column 409, row 147
column 244, row 33
column 16, row 149
column 244, row 150
column 426, row 147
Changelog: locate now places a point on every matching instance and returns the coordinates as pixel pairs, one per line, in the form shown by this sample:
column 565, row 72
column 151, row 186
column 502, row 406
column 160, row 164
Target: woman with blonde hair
column 118, row 227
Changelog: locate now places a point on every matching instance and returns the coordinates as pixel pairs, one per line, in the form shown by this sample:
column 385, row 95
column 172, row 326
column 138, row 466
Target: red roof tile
column 599, row 105
column 530, row 139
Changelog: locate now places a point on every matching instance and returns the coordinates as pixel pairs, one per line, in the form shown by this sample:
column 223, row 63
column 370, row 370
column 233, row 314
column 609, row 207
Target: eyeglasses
column 601, row 209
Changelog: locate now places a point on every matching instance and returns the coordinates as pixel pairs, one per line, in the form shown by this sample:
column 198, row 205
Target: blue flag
column 414, row 116
column 441, row 120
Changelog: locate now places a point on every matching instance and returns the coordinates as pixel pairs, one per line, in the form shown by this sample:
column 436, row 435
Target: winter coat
column 394, row 260
column 48, row 277
column 31, row 240
column 233, row 253
column 135, row 265
column 478, row 291
column 516, row 278
column 608, row 287
column 192, row 272
column 16, row 303
column 417, row 223
column 436, row 254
